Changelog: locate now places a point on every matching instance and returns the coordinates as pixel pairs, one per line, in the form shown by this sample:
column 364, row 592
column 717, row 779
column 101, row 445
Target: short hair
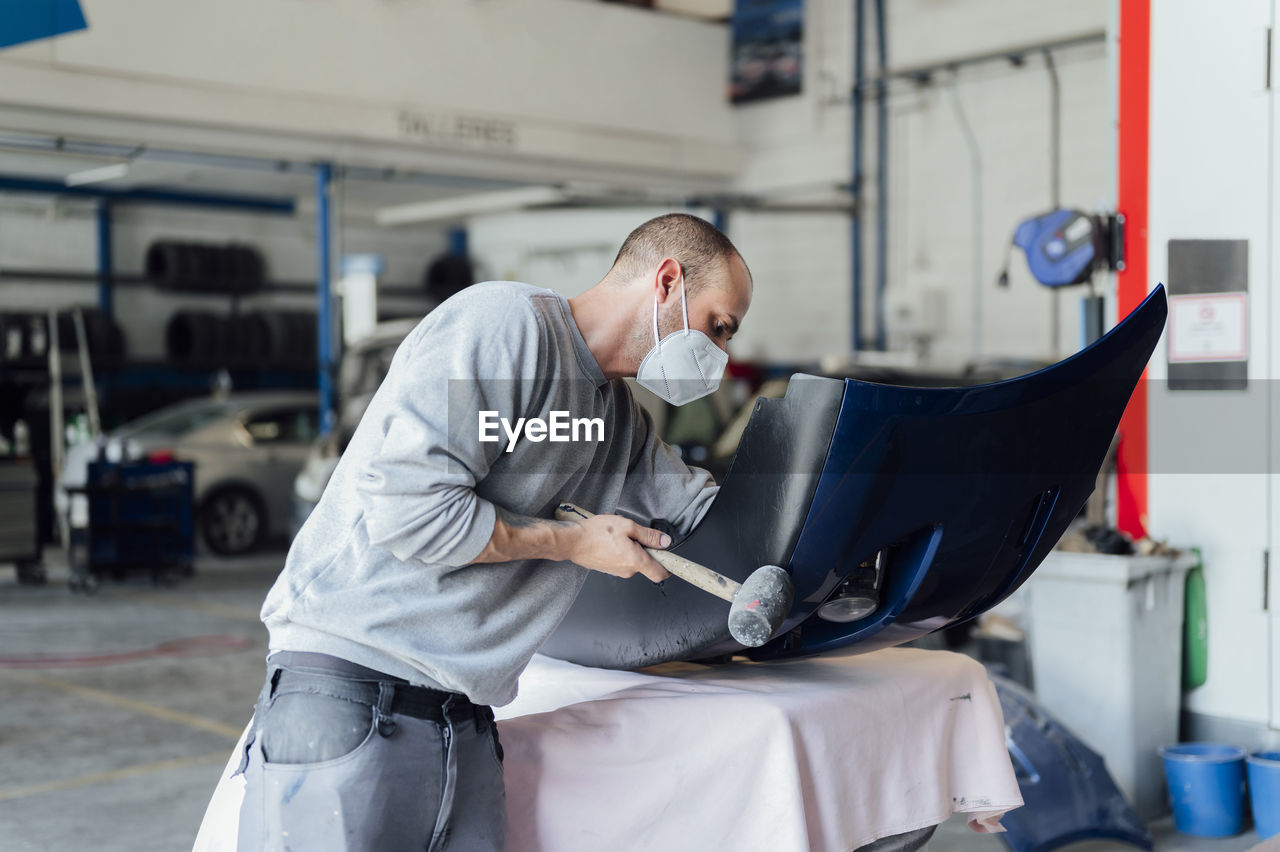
column 700, row 247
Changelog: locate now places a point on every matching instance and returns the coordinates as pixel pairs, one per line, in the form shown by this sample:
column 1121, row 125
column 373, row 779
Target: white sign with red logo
column 1209, row 327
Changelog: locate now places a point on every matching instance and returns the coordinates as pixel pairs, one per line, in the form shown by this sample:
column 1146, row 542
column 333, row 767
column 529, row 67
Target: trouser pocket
column 326, row 772
column 385, row 794
column 301, row 727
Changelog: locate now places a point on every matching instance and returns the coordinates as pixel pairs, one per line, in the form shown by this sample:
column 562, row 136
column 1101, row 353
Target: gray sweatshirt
column 380, row 574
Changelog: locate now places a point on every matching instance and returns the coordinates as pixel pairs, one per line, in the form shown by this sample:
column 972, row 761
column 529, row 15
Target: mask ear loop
column 657, row 341
column 683, row 304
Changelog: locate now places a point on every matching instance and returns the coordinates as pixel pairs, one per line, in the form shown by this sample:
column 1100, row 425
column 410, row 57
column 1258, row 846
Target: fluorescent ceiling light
column 99, row 174
column 475, row 204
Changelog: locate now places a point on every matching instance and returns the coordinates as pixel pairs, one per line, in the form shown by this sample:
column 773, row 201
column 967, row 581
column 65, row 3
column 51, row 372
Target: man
column 431, row 570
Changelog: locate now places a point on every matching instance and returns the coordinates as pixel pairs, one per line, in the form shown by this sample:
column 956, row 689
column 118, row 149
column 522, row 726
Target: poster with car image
column 768, row 49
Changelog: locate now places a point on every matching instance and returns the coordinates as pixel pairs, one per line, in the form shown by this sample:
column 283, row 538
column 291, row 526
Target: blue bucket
column 1264, row 792
column 1206, row 783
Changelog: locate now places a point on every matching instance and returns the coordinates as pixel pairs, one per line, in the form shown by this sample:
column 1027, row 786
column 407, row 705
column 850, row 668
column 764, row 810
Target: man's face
column 716, row 308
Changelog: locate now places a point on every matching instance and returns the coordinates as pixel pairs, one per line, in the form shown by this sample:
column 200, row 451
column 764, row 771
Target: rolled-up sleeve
column 659, row 485
column 420, row 455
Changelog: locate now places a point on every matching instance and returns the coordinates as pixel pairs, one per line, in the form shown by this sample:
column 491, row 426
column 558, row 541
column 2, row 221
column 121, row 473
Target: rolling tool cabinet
column 140, row 519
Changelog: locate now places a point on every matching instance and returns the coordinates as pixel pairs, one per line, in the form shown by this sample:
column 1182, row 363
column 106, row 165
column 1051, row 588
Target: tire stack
column 25, row 338
column 106, row 341
column 259, row 339
column 204, row 340
column 196, row 268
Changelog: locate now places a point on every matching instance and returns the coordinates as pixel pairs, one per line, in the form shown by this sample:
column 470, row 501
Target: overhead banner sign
column 457, row 131
column 22, row 21
column 768, row 49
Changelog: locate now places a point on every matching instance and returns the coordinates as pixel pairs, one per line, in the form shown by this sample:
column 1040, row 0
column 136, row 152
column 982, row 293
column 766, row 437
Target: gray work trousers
column 338, row 761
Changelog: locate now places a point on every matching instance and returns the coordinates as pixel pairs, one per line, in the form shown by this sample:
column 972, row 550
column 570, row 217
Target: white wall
column 800, row 307
column 1211, row 177
column 795, row 310
column 536, row 87
column 799, row 148
column 631, row 97
column 567, row 251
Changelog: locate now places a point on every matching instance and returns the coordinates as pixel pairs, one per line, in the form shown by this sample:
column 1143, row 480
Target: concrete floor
column 122, row 753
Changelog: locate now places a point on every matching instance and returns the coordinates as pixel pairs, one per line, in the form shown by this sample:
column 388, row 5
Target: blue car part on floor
column 1068, row 795
column 897, row 511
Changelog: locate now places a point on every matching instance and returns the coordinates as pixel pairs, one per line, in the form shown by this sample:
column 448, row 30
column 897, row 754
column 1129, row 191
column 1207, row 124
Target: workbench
column 825, row 753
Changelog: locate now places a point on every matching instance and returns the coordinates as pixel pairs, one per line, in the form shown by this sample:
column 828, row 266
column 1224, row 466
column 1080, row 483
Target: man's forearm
column 522, row 537
column 607, row 543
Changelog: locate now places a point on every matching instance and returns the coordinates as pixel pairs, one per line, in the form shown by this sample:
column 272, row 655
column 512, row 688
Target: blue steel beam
column 139, row 195
column 882, row 180
column 64, row 145
column 855, row 221
column 324, row 298
column 458, row 242
column 106, row 271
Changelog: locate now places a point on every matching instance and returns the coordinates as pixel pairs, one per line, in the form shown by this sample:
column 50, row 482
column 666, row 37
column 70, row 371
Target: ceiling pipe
column 975, row 182
column 474, row 204
column 1055, row 191
column 882, row 180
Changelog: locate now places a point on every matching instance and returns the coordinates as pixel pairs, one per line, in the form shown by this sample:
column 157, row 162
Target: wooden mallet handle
column 691, row 572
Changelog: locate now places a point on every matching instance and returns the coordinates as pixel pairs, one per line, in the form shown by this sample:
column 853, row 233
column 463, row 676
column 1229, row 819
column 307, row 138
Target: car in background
column 247, row 448
column 364, row 365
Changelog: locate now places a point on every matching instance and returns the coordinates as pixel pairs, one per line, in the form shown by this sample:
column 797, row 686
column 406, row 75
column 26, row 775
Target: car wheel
column 232, row 521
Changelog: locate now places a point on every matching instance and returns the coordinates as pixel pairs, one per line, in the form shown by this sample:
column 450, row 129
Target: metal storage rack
column 19, row 542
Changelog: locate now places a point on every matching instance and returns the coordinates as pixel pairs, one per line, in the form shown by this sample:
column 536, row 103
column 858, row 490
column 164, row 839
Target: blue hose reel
column 1066, row 247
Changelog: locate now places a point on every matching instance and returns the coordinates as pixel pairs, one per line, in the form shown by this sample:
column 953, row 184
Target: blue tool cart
column 140, row 519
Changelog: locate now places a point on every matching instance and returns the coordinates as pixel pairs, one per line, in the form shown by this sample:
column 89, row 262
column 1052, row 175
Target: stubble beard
column 640, row 340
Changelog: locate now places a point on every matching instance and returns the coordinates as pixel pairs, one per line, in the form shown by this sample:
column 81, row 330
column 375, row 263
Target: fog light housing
column 849, row 608
column 859, row 595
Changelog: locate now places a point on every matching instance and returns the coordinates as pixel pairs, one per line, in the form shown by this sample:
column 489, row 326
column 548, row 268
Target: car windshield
column 180, row 420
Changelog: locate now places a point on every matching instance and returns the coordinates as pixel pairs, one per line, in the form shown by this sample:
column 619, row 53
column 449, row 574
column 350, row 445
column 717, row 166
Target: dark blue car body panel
column 960, row 491
column 1068, row 795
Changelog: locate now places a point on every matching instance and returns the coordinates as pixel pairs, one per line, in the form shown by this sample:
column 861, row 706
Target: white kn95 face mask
column 683, row 366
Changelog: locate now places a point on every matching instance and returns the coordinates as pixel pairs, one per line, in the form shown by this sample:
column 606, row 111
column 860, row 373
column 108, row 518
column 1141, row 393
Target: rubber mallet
column 758, row 605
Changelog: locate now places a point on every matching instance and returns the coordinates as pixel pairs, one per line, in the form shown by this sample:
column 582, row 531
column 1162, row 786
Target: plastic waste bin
column 1106, row 648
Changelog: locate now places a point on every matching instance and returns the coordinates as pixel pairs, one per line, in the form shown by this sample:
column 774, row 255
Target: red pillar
column 1132, row 194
